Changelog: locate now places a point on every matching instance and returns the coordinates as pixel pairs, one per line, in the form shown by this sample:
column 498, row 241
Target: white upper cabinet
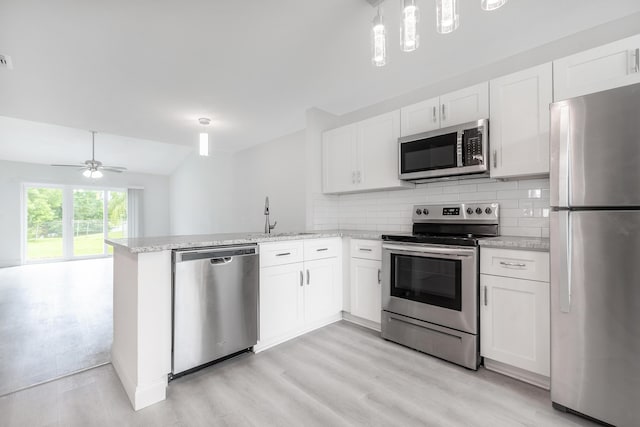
column 519, row 125
column 339, row 159
column 461, row 106
column 465, row 105
column 362, row 156
column 605, row 67
column 421, row 117
column 378, row 151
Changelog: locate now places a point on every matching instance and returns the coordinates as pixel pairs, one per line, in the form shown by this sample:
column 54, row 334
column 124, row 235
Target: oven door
column 436, row 284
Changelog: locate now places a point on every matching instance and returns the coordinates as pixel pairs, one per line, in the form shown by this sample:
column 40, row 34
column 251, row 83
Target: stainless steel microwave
column 453, row 151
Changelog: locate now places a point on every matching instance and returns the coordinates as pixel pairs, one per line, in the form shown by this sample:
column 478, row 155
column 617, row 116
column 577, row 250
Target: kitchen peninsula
column 141, row 351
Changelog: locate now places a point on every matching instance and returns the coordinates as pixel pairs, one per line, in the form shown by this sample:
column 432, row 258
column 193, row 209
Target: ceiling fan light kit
column 447, row 21
column 94, row 168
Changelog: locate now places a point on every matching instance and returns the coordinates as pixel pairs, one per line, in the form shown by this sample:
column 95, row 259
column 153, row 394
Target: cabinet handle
column 308, row 277
column 486, row 301
column 379, row 276
column 495, row 158
column 365, row 249
column 284, row 254
column 434, row 114
column 301, row 278
column 444, row 113
column 513, row 264
column 359, row 175
column 637, row 61
column 322, row 249
column 353, row 177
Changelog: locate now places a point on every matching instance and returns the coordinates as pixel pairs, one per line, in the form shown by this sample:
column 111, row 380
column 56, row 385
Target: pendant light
column 492, row 4
column 378, row 41
column 204, row 137
column 409, row 38
column 447, row 17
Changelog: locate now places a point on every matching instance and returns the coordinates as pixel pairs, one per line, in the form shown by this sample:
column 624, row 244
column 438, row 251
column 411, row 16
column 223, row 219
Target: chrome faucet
column 267, row 225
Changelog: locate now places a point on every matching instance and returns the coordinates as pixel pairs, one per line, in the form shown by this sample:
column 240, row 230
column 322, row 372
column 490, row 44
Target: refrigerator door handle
column 565, row 263
column 564, row 155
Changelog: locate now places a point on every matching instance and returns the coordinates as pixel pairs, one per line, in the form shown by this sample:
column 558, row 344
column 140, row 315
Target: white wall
column 276, row 169
column 155, row 219
column 202, row 195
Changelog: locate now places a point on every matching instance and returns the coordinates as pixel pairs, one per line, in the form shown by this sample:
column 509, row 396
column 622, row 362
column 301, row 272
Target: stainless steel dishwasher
column 215, row 304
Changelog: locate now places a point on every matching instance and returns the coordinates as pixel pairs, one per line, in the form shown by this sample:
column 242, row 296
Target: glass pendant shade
column 447, row 17
column 492, row 4
column 204, row 144
column 378, row 41
column 409, row 38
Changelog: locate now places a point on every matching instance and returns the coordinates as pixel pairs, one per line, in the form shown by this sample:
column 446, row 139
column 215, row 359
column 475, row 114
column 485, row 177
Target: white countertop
column 516, row 242
column 163, row 243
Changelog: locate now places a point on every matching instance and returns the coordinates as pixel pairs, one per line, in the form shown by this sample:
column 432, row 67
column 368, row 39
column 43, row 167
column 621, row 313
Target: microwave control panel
column 472, row 147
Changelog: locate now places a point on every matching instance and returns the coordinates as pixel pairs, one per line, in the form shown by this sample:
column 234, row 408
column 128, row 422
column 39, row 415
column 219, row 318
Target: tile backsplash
column 524, row 205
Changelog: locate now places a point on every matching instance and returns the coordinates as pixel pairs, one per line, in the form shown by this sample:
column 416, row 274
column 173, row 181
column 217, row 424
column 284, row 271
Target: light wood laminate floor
column 339, row 375
column 55, row 319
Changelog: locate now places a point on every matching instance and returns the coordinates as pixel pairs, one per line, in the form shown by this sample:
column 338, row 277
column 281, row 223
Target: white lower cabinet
column 365, row 276
column 515, row 319
column 296, row 297
column 322, row 290
column 281, row 301
column 365, row 289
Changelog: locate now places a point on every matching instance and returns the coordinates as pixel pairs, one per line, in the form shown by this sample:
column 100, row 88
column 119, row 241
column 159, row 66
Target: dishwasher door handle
column 218, row 261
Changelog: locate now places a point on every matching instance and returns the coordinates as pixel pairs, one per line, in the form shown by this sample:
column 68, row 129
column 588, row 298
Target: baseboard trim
column 361, row 322
column 140, row 396
column 518, row 373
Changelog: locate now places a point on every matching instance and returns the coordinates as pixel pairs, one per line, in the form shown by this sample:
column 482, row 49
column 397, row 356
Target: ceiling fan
column 93, row 168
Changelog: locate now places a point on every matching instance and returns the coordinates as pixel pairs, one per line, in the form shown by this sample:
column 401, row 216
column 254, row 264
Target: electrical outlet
column 5, row 62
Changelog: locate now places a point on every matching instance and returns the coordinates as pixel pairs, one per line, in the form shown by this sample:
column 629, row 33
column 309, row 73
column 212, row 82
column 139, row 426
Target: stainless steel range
column 430, row 282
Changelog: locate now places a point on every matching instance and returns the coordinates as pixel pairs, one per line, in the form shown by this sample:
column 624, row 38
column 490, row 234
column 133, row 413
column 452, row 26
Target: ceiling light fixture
column 204, row 137
column 447, row 18
column 492, row 4
column 409, row 38
column 378, row 41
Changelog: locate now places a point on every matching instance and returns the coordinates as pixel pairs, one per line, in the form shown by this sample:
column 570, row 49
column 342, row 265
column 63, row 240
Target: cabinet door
column 605, row 67
column 519, row 125
column 514, row 322
column 465, row 105
column 378, row 152
column 365, row 289
column 281, row 300
column 421, row 117
column 322, row 290
column 338, row 159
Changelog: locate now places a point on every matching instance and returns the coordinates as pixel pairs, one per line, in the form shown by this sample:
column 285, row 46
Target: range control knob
column 425, row 211
column 418, row 211
column 488, row 211
column 478, row 211
column 469, row 211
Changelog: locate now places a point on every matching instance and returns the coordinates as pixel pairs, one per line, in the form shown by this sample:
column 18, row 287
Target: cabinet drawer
column 519, row 264
column 321, row 248
column 366, row 249
column 279, row 253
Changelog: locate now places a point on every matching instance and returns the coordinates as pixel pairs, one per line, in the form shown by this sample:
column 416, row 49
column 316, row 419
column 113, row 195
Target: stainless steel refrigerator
column 595, row 255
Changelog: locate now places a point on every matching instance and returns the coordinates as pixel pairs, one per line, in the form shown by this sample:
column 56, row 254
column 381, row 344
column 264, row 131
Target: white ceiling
column 148, row 69
column 26, row 141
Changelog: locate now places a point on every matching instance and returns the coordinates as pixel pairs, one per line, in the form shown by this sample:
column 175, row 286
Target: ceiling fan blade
column 109, row 169
column 70, row 166
column 115, row 167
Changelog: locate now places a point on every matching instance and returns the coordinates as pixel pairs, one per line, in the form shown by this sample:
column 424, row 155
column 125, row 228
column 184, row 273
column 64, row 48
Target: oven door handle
column 438, row 253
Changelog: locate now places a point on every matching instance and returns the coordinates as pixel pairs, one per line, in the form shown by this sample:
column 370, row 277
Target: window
column 66, row 222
